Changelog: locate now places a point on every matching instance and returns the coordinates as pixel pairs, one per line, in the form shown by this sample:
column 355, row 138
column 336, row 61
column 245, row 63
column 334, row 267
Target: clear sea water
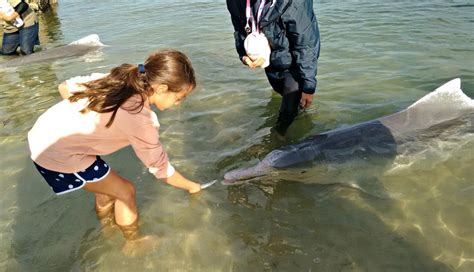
column 415, row 213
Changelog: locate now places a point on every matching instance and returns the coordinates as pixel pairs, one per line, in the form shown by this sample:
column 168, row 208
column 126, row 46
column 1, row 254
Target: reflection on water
column 412, row 213
column 50, row 25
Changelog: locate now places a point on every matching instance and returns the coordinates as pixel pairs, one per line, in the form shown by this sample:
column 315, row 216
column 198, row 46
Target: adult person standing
column 292, row 32
column 20, row 28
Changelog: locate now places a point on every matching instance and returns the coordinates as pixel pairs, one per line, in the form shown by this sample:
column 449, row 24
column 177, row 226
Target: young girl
column 102, row 114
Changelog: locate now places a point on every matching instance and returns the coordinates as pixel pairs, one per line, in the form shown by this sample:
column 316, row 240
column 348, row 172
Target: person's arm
column 239, row 36
column 303, row 35
column 177, row 180
column 20, row 8
column 10, row 17
column 234, row 7
column 239, row 45
column 145, row 142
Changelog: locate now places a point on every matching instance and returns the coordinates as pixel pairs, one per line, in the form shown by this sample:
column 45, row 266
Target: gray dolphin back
column 445, row 107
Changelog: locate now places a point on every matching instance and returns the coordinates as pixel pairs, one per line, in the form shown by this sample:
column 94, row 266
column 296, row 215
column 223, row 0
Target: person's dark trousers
column 26, row 38
column 284, row 83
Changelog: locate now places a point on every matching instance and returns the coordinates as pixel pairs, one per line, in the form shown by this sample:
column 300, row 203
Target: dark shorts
column 62, row 183
column 26, row 38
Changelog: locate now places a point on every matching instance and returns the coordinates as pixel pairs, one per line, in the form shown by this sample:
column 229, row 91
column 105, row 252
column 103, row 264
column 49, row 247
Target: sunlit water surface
column 413, row 213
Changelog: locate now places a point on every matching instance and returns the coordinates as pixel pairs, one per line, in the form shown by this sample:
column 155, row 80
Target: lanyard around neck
column 249, row 15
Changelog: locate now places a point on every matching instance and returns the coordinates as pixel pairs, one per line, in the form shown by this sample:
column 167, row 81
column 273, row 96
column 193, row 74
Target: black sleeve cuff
column 21, row 7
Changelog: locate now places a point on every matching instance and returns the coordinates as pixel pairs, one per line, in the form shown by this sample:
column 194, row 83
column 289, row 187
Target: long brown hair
column 168, row 67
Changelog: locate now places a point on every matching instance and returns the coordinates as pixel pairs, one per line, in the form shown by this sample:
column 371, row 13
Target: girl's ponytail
column 108, row 94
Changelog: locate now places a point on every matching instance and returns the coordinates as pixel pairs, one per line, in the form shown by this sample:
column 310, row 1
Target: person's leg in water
column 10, row 43
column 284, row 83
column 104, row 208
column 28, row 39
column 289, row 106
column 122, row 192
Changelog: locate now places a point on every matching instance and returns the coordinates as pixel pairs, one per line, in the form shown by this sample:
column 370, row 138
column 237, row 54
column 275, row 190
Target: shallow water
column 413, row 213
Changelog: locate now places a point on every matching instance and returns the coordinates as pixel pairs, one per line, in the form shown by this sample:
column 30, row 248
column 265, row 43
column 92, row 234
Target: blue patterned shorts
column 62, row 183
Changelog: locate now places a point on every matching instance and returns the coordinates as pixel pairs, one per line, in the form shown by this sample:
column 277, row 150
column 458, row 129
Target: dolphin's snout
column 232, row 175
column 242, row 174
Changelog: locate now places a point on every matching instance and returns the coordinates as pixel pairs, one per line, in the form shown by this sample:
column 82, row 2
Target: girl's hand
column 195, row 188
column 177, row 180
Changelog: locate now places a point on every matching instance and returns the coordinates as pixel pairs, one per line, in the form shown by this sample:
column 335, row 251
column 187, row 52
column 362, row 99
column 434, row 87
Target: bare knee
column 128, row 194
column 103, row 199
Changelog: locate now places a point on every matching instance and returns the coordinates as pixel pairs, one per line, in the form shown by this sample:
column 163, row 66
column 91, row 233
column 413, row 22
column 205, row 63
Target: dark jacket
column 292, row 32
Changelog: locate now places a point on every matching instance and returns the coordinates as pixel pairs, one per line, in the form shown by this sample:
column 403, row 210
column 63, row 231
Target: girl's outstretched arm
column 177, row 180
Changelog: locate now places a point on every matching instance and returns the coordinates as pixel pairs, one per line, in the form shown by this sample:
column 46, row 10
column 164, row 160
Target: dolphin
column 76, row 48
column 445, row 107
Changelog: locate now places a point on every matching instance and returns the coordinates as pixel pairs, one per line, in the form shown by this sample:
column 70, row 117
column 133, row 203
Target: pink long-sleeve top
column 65, row 140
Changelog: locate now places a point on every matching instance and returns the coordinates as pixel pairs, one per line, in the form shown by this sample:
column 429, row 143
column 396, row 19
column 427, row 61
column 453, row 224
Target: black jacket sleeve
column 21, row 7
column 303, row 35
column 236, row 10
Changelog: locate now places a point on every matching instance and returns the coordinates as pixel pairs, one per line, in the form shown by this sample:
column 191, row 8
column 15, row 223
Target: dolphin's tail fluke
column 91, row 40
column 238, row 175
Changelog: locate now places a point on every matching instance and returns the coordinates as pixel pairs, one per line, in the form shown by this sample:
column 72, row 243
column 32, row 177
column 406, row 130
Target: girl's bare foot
column 140, row 246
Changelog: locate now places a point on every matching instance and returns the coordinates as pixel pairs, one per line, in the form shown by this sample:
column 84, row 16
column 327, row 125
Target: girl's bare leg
column 123, row 193
column 104, row 208
column 103, row 201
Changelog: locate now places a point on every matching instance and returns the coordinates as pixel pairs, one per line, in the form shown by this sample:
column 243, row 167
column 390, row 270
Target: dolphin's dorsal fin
column 446, row 103
column 91, row 40
column 448, row 94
